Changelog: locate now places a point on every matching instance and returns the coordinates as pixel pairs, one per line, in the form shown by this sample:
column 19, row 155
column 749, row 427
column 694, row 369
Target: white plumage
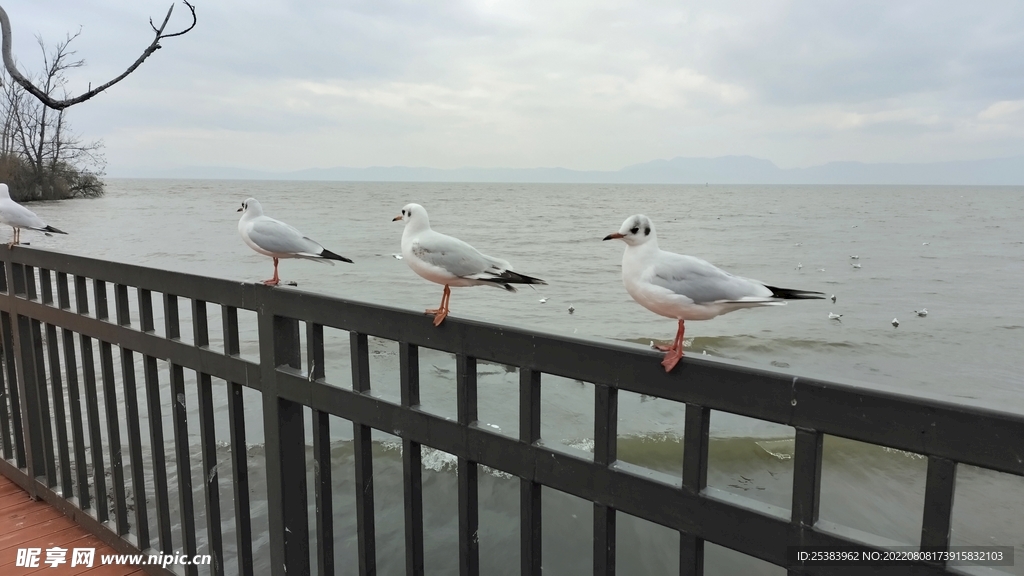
column 17, row 217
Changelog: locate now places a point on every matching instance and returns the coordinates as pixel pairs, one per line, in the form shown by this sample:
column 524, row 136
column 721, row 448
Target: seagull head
column 4, row 192
column 636, row 230
column 251, row 207
column 414, row 215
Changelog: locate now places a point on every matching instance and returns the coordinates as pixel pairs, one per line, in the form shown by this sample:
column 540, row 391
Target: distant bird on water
column 895, row 323
column 685, row 287
column 922, row 312
column 833, row 298
column 17, row 217
column 856, row 265
column 571, row 308
column 834, row 316
column 451, row 262
column 278, row 240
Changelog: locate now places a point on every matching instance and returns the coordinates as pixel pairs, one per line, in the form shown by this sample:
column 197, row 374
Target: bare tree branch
column 12, row 69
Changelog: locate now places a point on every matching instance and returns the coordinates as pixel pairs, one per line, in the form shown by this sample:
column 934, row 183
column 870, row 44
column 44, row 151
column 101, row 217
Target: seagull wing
column 276, row 236
column 14, row 214
column 702, row 282
column 457, row 257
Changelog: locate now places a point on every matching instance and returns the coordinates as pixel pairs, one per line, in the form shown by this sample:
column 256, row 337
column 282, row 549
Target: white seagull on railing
column 451, row 262
column 278, row 240
column 685, row 287
column 17, row 217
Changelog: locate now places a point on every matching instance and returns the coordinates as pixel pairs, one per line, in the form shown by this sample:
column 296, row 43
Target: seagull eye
column 647, row 231
column 634, row 230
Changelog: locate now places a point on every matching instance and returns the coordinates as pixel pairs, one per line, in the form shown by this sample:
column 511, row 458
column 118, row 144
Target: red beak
column 613, row 236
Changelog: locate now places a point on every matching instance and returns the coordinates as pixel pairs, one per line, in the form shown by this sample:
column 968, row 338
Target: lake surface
column 957, row 251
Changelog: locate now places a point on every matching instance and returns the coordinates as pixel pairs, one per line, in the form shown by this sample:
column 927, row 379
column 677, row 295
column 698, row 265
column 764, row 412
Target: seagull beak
column 239, row 210
column 397, row 218
column 613, row 236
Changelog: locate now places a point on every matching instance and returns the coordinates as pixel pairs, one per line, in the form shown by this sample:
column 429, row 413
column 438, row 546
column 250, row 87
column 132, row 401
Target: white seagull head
column 4, row 192
column 414, row 215
column 636, row 230
column 251, row 207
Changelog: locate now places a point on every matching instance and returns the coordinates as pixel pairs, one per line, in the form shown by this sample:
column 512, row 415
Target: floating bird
column 450, row 261
column 821, row 269
column 799, row 265
column 17, row 217
column 396, row 256
column 856, row 265
column 924, row 243
column 895, row 323
column 278, row 240
column 571, row 308
column 854, row 257
column 922, row 312
column 685, row 287
column 797, row 244
column 543, row 300
column 833, row 298
column 834, row 316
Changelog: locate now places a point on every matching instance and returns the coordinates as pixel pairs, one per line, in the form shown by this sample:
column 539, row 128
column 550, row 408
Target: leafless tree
column 47, row 99
column 40, row 157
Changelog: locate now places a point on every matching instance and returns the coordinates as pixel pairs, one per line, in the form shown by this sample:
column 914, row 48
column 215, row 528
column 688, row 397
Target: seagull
column 834, row 316
column 685, row 287
column 278, row 240
column 799, row 265
column 543, row 300
column 924, row 243
column 856, row 265
column 854, row 257
column 895, row 323
column 571, row 308
column 833, row 298
column 396, row 256
column 922, row 312
column 821, row 269
column 17, row 217
column 450, row 261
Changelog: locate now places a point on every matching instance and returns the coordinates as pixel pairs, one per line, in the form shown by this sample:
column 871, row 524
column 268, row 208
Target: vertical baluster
column 131, row 409
column 5, row 410
column 172, row 328
column 695, row 479
column 363, row 445
column 412, row 466
column 606, row 420
column 57, row 386
column 110, row 404
column 529, row 491
column 10, row 365
column 74, row 397
column 469, row 508
column 99, row 478
column 38, row 396
column 284, row 430
column 940, row 486
column 321, row 457
column 151, row 377
column 208, row 440
column 239, row 454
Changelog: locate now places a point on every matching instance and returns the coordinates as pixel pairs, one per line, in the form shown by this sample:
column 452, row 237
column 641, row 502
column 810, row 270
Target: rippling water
column 957, row 251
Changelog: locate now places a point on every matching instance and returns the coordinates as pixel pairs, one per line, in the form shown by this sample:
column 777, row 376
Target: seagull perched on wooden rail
column 278, row 240
column 685, row 287
column 17, row 217
column 451, row 262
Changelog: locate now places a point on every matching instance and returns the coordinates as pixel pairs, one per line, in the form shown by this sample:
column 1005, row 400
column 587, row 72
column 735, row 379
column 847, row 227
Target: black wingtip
column 791, row 294
column 517, row 278
column 54, row 230
column 332, row 256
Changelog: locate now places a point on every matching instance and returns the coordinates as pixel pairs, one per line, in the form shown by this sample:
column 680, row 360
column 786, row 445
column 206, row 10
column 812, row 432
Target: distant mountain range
column 721, row 170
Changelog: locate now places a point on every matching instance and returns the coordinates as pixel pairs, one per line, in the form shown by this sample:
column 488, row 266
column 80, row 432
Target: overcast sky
column 584, row 84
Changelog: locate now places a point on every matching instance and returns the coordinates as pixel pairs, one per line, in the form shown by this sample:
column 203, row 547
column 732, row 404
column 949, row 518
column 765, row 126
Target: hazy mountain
column 721, row 170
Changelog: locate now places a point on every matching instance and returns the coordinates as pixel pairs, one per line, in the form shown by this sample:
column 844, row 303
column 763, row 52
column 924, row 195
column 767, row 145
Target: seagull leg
column 441, row 313
column 676, row 352
column 275, row 280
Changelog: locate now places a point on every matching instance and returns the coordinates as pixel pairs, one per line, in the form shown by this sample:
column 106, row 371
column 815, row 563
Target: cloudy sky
column 584, row 84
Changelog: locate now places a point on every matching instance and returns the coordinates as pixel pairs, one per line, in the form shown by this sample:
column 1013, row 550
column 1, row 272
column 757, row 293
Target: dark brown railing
column 52, row 429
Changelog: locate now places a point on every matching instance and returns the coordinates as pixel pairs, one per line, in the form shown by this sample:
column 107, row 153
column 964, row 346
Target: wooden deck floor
column 25, row 523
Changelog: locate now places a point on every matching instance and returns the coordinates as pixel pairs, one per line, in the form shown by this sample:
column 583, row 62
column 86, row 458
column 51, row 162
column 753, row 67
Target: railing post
column 606, row 420
column 696, row 435
column 529, row 491
column 284, row 431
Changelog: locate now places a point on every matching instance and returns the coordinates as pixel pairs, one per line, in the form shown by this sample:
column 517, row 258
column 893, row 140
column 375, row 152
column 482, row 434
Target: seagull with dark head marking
column 685, row 287
column 278, row 240
column 451, row 262
column 17, row 217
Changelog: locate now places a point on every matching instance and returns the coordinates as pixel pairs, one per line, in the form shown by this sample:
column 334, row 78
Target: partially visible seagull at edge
column 278, row 240
column 685, row 287
column 17, row 217
column 451, row 262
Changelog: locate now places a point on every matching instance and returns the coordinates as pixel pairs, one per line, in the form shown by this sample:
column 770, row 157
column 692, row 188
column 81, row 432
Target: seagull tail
column 52, row 229
column 791, row 294
column 507, row 278
column 332, row 256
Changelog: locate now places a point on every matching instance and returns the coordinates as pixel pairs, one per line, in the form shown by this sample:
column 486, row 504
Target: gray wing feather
column 703, row 282
column 17, row 215
column 456, row 256
column 276, row 236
